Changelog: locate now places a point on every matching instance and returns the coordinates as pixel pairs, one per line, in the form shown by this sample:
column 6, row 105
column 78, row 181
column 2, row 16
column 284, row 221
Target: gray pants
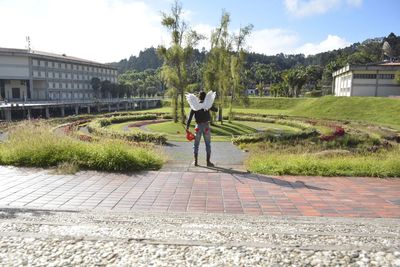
column 202, row 129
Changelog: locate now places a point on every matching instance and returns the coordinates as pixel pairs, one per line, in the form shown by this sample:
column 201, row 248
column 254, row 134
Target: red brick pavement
column 208, row 192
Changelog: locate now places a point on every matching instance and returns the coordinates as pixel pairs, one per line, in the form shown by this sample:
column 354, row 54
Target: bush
column 34, row 145
column 120, row 119
column 273, row 137
column 254, row 118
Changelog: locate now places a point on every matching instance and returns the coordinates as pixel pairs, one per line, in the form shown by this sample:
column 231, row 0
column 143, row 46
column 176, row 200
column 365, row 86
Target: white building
column 367, row 80
column 38, row 75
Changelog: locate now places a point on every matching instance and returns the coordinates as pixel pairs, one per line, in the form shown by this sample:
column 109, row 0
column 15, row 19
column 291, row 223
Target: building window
column 364, row 76
column 386, row 76
column 16, row 93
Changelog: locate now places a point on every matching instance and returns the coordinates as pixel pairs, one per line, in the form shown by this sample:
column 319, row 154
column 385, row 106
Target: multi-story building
column 368, row 80
column 35, row 75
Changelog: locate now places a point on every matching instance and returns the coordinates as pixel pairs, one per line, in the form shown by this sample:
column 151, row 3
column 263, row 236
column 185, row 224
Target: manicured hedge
column 98, row 127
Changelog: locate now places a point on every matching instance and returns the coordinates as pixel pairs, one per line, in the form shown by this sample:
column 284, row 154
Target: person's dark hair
column 202, row 96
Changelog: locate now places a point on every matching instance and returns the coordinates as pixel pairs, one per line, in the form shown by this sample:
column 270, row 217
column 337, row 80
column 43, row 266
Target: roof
column 380, row 66
column 396, row 63
column 64, row 57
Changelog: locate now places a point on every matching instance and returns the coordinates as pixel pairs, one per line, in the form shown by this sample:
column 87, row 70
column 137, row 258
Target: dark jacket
column 200, row 116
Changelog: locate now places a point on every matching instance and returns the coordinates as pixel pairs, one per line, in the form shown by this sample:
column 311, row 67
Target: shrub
column 120, row 119
column 254, row 118
column 273, row 137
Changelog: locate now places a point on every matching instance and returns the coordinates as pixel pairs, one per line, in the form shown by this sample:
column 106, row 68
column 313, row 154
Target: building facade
column 368, row 80
column 41, row 76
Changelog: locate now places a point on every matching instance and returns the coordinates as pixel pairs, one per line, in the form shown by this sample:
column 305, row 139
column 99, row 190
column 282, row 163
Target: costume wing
column 209, row 100
column 193, row 102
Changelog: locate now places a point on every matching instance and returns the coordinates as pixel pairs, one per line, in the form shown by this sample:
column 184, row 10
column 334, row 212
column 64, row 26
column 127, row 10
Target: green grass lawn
column 376, row 110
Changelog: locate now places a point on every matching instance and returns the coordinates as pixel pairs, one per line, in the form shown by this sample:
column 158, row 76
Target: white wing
column 193, row 102
column 209, row 100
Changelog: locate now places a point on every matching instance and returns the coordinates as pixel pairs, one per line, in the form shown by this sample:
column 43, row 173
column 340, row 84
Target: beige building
column 42, row 76
column 367, row 80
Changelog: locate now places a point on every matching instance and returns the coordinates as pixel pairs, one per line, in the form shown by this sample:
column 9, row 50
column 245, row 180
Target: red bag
column 189, row 136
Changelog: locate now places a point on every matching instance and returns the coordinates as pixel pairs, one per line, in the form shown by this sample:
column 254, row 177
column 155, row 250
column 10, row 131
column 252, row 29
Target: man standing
column 200, row 108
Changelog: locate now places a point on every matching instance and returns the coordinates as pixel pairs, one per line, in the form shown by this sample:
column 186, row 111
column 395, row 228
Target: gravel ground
column 56, row 238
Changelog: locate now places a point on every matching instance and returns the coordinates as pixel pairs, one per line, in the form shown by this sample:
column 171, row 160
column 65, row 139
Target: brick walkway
column 201, row 192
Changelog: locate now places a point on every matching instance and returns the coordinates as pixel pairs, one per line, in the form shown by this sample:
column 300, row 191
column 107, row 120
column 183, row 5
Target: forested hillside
column 283, row 75
column 365, row 52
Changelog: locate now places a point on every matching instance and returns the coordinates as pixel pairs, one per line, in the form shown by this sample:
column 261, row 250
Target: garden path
column 201, row 192
column 226, row 157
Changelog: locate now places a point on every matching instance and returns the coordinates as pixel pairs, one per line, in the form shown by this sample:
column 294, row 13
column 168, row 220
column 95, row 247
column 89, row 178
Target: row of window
column 70, row 85
column 344, row 90
column 63, row 75
column 60, row 65
column 69, row 95
column 374, row 76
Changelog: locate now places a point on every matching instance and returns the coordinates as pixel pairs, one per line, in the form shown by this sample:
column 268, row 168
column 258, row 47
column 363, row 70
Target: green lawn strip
column 176, row 131
column 120, row 126
column 383, row 164
column 34, row 145
column 263, row 126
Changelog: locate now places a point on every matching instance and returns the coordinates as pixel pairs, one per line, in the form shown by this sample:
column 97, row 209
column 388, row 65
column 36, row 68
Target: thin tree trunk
column 231, row 107
column 175, row 107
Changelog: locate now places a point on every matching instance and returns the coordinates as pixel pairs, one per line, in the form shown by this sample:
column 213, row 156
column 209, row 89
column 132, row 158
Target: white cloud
column 100, row 30
column 109, row 30
column 275, row 41
column 272, row 41
column 332, row 42
column 304, row 8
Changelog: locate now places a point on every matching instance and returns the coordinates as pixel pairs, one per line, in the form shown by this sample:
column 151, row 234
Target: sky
column 111, row 30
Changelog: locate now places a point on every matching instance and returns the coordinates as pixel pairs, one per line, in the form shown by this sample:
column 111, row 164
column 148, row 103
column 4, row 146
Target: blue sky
column 109, row 30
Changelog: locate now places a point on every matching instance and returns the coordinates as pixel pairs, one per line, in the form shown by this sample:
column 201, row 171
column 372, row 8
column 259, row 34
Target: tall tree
column 217, row 66
column 177, row 58
column 223, row 69
column 237, row 62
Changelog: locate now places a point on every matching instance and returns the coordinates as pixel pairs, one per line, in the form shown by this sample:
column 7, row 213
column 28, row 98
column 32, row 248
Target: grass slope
column 377, row 110
column 368, row 109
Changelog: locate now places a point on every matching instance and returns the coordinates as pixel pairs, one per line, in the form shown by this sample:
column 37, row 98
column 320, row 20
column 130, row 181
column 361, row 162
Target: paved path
column 201, row 192
column 224, row 155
